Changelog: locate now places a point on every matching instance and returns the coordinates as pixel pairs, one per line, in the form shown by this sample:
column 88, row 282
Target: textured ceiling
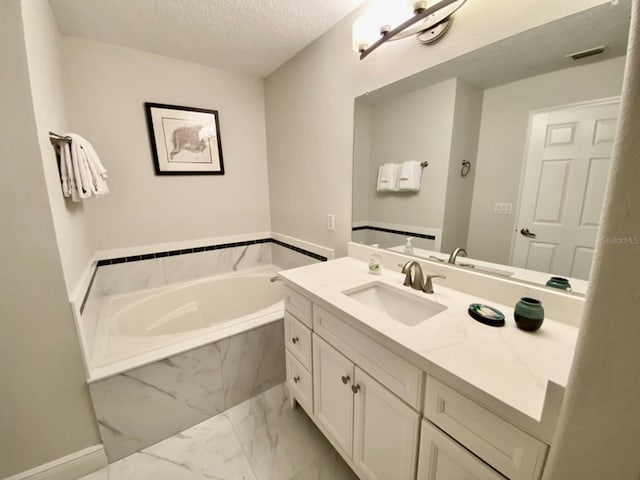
column 252, row 37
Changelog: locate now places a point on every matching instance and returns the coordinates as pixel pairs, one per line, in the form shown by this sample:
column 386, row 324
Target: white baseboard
column 71, row 467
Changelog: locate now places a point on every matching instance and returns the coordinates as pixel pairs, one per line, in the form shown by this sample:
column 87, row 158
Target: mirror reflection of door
column 563, row 188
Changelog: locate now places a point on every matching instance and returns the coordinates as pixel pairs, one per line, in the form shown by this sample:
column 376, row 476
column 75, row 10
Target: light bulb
column 417, row 5
column 365, row 32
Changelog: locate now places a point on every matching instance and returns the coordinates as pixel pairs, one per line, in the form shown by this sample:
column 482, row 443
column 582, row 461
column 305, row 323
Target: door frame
column 568, row 106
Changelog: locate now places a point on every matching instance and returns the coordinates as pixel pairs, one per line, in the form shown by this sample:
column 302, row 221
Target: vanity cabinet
column 388, row 418
column 374, row 428
column 441, row 458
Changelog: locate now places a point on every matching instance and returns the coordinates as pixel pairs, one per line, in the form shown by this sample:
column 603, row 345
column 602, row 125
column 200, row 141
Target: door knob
column 526, row 233
column 295, row 339
column 355, row 388
column 345, row 379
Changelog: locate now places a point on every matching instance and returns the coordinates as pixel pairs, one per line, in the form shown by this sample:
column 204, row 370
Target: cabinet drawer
column 298, row 340
column 441, row 458
column 300, row 382
column 505, row 447
column 398, row 375
column 298, row 306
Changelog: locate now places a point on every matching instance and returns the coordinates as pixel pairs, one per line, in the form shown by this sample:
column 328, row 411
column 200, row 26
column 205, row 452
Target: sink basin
column 403, row 307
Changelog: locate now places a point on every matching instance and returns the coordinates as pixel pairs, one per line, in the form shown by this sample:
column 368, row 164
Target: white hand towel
column 388, row 177
column 410, row 176
column 82, row 174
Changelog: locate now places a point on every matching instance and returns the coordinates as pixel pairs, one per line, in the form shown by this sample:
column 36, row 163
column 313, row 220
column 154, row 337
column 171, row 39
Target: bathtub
column 138, row 328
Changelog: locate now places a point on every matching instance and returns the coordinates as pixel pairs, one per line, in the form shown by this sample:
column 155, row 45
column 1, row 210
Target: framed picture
column 184, row 140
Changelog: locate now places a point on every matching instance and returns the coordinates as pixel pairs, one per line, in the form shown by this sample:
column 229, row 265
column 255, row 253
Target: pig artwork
column 187, row 138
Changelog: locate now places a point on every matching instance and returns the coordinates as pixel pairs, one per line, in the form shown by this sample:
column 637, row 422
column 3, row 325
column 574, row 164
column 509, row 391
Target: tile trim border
column 187, row 251
column 426, row 236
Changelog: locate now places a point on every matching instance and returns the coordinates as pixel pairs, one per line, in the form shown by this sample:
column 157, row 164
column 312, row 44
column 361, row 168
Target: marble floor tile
column 261, row 438
column 280, row 442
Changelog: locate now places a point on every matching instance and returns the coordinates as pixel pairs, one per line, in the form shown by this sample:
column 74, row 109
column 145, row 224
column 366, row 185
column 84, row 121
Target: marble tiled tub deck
column 262, row 438
column 139, row 403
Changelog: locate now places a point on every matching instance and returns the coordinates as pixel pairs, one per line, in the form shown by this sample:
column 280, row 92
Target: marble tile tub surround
column 138, row 272
column 558, row 305
column 259, row 439
column 142, row 406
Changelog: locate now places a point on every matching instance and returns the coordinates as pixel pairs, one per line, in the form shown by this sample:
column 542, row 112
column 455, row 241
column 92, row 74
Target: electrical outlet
column 503, row 208
column 331, row 222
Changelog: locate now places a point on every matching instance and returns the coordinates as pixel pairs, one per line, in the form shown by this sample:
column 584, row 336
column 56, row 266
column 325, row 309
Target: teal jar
column 560, row 283
column 529, row 314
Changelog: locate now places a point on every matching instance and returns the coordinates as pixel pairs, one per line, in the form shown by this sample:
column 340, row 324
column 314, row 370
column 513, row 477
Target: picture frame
column 184, row 140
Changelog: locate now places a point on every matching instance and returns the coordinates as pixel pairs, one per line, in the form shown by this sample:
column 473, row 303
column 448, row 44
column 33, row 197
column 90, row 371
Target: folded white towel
column 388, row 177
column 81, row 172
column 410, row 176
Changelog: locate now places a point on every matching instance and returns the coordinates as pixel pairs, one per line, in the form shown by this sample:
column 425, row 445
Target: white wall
column 310, row 108
column 415, row 126
column 43, row 43
column 502, row 143
column 464, row 146
column 45, row 412
column 361, row 159
column 106, row 87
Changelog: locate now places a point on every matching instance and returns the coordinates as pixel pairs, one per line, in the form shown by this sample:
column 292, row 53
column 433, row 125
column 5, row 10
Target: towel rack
column 54, row 138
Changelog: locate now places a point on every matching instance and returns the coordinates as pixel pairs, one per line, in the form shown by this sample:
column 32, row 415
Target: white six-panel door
column 566, row 172
column 332, row 394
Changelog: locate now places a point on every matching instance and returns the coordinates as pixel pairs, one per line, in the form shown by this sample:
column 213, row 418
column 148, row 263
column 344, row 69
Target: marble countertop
column 508, row 364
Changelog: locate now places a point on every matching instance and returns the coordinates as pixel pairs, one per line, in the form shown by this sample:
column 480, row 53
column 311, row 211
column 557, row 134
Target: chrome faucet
column 428, row 284
column 458, row 251
column 414, row 281
column 417, row 281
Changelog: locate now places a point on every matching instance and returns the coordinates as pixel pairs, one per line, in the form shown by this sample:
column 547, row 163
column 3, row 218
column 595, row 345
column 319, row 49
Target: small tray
column 486, row 314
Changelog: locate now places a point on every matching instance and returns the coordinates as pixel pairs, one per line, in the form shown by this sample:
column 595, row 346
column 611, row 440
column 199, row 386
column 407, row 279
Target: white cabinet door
column 441, row 458
column 385, row 443
column 332, row 394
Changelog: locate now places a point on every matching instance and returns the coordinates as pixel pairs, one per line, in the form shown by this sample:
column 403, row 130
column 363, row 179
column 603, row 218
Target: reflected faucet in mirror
column 457, row 252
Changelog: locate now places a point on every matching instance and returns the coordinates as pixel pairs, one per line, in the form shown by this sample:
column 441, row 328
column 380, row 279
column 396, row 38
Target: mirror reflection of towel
column 410, row 176
column 388, row 177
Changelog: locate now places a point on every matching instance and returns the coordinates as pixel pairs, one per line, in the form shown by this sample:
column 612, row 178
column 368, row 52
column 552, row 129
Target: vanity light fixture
column 384, row 22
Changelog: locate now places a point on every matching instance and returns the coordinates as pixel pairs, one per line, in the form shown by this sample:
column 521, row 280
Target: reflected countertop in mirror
column 537, row 129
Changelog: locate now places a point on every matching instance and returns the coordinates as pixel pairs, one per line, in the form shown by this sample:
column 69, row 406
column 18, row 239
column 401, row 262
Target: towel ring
column 466, row 167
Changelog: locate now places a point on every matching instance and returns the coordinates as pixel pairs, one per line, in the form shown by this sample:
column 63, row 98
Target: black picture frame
column 187, row 133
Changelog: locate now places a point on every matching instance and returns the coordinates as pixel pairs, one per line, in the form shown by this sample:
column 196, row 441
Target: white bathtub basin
column 140, row 327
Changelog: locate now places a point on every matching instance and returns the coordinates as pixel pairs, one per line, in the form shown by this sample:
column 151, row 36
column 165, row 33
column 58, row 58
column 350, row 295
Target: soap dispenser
column 408, row 247
column 375, row 261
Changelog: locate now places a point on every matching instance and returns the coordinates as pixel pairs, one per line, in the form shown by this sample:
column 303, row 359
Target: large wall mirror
column 518, row 138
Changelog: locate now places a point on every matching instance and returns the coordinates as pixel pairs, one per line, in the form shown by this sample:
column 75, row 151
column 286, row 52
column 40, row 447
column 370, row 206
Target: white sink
column 402, row 306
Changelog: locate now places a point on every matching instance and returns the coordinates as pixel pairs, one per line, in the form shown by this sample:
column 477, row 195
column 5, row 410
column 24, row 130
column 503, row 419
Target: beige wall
column 106, row 87
column 44, row 56
column 416, row 126
column 464, row 146
column 502, row 143
column 310, row 108
column 45, row 411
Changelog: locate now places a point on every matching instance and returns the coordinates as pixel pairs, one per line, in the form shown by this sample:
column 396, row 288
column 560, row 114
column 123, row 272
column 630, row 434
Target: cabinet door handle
column 295, row 339
column 355, row 388
column 345, row 379
column 296, row 379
